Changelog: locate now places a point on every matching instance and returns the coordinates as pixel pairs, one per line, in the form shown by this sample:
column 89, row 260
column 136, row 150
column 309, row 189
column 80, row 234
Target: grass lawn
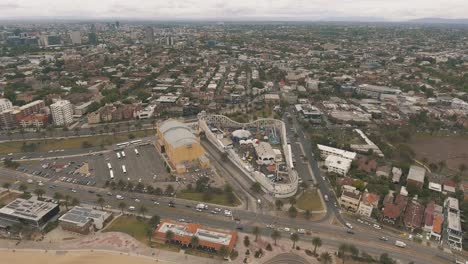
column 309, row 200
column 71, row 143
column 130, row 225
column 221, row 199
column 164, row 246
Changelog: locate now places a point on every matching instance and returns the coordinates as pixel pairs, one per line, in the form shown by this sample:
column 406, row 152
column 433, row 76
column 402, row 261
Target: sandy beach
column 71, row 257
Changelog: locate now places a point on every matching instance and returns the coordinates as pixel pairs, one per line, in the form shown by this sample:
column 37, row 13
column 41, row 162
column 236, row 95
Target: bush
column 268, row 247
column 247, row 252
column 298, row 248
column 234, row 254
column 258, row 253
column 309, row 252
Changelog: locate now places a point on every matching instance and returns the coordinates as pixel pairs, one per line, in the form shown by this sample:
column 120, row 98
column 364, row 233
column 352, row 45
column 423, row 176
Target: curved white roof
column 241, row 133
column 177, row 134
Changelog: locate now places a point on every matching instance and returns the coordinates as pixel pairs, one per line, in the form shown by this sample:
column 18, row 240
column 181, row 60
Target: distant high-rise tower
column 75, row 37
column 169, row 41
column 92, row 38
column 149, row 35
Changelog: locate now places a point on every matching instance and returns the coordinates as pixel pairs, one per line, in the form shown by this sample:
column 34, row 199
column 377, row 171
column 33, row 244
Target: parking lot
column 92, row 169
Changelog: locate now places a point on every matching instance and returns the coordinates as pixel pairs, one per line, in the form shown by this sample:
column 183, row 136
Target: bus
column 136, row 152
column 111, row 175
column 109, row 166
column 123, row 144
column 118, row 155
column 123, row 154
column 136, row 141
column 124, row 169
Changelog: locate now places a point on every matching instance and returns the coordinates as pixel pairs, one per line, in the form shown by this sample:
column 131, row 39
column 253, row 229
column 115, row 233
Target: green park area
column 224, row 198
column 309, row 200
column 70, row 143
column 131, row 225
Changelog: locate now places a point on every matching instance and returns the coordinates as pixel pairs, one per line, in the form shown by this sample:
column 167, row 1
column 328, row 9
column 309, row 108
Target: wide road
column 322, row 184
column 364, row 239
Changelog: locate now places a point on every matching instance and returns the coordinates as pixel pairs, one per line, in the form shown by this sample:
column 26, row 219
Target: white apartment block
column 75, row 37
column 338, row 165
column 350, row 198
column 453, row 231
column 62, row 112
column 5, row 104
column 365, row 209
column 325, row 151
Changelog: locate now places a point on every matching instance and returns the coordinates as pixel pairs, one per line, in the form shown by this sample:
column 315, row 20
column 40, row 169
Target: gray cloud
column 219, row 9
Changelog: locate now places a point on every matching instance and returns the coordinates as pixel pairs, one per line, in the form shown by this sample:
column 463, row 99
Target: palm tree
column 23, row 187
column 317, row 242
column 292, row 201
column 194, row 241
column 143, row 210
column 101, row 202
column 279, row 204
column 223, row 251
column 66, row 201
column 122, row 206
column 342, row 251
column 275, row 235
column 325, row 258
column 353, row 250
column 39, row 192
column 256, row 232
column 294, row 238
column 169, row 235
column 7, row 186
column 75, row 201
column 58, row 196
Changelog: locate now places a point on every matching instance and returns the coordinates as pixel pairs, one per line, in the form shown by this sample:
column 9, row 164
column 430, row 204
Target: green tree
column 101, row 202
column 353, row 250
column 326, row 258
column 223, row 251
column 294, row 238
column 154, row 221
column 386, row 259
column 342, row 251
column 307, row 214
column 122, row 206
column 194, row 242
column 317, row 242
column 256, row 187
column 246, row 241
column 23, row 187
column 292, row 211
column 275, row 235
column 58, row 196
column 143, row 210
column 256, row 231
column 39, row 192
column 292, row 200
column 169, row 235
column 279, row 204
column 7, row 186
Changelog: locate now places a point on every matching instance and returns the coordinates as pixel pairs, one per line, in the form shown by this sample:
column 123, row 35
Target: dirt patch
column 453, row 150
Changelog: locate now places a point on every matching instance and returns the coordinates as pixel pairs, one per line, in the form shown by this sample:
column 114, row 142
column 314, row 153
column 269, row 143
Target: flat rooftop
column 80, row 216
column 28, row 209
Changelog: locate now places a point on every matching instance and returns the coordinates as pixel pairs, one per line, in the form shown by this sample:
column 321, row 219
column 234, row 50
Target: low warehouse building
column 83, row 220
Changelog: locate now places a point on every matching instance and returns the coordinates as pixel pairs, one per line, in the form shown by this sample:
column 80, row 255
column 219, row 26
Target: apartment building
column 5, row 104
column 350, row 198
column 62, row 112
column 326, row 151
column 338, row 165
column 453, row 233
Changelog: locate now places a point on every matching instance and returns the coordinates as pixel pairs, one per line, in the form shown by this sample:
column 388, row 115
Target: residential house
column 393, row 207
column 414, row 215
column 369, row 201
column 416, row 176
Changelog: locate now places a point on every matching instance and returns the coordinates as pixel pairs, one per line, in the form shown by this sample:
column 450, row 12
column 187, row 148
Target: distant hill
column 437, row 20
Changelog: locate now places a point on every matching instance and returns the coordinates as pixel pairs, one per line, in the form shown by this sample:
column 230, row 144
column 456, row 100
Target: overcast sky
column 236, row 9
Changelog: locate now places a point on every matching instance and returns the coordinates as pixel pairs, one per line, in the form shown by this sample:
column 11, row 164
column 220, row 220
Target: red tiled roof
column 414, row 214
column 437, row 225
column 391, row 211
column 371, row 198
column 429, row 214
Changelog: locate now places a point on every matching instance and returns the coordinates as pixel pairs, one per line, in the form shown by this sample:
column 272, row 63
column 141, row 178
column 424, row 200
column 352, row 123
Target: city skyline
column 280, row 10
